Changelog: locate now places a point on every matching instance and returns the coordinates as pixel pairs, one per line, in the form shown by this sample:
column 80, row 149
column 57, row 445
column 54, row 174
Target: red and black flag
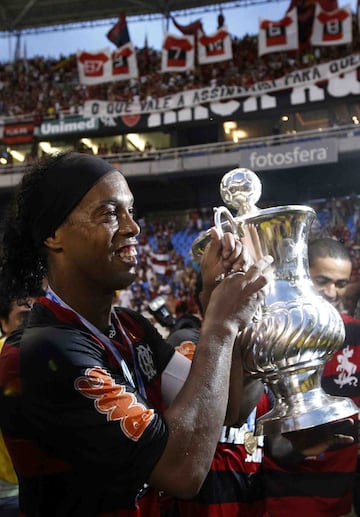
column 188, row 30
column 305, row 14
column 119, row 34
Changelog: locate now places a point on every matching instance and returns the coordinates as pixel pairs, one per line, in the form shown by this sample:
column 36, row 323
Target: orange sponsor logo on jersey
column 115, row 402
column 186, row 348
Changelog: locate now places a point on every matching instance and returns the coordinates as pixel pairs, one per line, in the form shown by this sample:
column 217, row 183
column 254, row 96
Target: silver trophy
column 295, row 331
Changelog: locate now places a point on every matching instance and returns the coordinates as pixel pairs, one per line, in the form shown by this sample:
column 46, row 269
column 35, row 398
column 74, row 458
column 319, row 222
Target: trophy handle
column 222, row 211
column 223, row 221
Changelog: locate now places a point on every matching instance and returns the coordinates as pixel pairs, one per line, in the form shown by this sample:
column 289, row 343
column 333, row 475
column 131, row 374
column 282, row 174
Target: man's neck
column 96, row 310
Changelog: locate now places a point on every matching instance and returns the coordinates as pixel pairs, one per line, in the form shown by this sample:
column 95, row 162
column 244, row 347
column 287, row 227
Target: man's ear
column 54, row 242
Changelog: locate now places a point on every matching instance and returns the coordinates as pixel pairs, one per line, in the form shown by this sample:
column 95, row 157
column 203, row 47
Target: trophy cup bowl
column 295, row 331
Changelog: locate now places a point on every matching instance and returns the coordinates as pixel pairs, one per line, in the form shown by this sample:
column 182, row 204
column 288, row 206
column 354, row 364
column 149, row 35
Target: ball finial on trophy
column 241, row 189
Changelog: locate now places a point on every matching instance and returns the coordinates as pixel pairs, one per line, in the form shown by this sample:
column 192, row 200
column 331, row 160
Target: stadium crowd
column 167, row 268
column 48, row 87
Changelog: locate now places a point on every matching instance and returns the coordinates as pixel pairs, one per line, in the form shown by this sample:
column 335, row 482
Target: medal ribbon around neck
column 51, row 295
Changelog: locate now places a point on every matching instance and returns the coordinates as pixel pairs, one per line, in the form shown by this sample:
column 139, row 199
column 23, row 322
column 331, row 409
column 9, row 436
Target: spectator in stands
column 234, row 486
column 147, row 147
column 48, row 87
column 12, row 315
column 351, row 299
column 321, row 485
column 126, row 299
column 107, row 406
column 330, row 269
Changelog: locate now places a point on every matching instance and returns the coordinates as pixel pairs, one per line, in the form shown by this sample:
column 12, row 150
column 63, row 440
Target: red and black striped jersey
column 82, row 437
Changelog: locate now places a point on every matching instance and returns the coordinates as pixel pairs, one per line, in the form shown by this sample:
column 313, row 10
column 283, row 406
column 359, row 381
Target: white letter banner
column 94, row 67
column 278, row 36
column 215, row 94
column 332, row 28
column 124, row 63
column 177, row 53
column 103, row 66
column 214, row 48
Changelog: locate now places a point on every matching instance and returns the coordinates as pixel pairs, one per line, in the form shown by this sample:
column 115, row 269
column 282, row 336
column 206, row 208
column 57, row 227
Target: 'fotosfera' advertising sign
column 298, row 154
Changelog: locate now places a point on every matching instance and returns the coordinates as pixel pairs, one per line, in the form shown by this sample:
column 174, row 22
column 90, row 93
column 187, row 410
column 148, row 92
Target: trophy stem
column 303, row 410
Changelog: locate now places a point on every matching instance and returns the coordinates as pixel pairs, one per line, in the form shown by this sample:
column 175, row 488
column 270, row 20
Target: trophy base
column 304, row 411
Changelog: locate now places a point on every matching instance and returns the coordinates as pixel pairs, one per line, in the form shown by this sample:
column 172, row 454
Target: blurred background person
column 13, row 314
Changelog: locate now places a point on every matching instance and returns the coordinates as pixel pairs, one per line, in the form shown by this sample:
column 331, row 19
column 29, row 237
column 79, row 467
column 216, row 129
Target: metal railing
column 214, row 148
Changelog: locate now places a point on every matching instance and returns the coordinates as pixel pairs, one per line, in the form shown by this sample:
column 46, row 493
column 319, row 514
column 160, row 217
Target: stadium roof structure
column 41, row 15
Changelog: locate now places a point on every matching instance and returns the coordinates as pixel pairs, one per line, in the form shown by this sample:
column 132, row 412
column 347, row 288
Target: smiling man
column 321, row 484
column 13, row 314
column 330, row 269
column 95, row 406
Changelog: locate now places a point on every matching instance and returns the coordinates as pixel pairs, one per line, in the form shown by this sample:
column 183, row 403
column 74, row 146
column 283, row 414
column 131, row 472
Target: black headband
column 64, row 184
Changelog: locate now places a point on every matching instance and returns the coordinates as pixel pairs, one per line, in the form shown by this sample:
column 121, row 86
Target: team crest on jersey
column 145, row 360
column 346, row 368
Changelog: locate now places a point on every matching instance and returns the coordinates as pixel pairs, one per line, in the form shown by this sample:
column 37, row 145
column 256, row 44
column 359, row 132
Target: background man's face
column 18, row 312
column 330, row 277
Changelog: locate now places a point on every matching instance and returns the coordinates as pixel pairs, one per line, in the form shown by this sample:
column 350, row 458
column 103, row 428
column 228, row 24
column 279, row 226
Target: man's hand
column 294, row 447
column 316, row 440
column 221, row 257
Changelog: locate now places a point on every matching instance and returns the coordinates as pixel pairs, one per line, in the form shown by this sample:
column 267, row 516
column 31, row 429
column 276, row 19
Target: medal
column 112, row 332
column 250, row 442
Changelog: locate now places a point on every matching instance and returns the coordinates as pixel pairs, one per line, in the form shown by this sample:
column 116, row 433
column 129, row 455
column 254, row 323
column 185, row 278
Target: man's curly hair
column 23, row 262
